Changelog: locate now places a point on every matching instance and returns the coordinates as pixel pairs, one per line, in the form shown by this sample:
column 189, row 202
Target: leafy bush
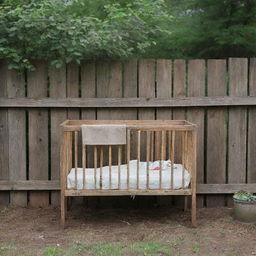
column 59, row 31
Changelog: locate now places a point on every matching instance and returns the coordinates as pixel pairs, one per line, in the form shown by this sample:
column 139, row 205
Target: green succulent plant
column 244, row 196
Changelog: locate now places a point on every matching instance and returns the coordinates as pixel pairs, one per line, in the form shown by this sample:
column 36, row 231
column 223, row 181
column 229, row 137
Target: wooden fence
column 218, row 95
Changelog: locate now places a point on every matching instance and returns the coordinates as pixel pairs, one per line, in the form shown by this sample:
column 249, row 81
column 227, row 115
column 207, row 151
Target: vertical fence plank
column 238, row 69
column 38, row 134
column 88, row 90
column 146, row 89
column 130, row 78
column 251, row 175
column 109, row 84
column 4, row 134
column 179, row 90
column 17, row 136
column 73, row 89
column 196, row 87
column 216, row 131
column 57, row 78
column 164, row 91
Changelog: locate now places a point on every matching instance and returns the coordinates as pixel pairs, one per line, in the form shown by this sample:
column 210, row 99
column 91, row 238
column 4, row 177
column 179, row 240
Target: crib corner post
column 64, row 165
column 193, row 182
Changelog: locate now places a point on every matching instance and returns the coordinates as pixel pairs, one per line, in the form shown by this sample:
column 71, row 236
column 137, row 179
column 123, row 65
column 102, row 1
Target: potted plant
column 245, row 206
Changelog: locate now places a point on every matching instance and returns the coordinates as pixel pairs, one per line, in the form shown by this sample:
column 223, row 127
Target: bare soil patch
column 152, row 231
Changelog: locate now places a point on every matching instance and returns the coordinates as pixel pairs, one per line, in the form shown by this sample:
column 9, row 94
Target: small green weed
column 51, row 251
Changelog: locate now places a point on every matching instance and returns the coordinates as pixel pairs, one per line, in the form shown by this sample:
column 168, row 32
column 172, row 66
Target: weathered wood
column 141, row 192
column 216, row 130
column 251, row 164
column 57, row 78
column 4, row 134
column 146, row 88
column 30, row 185
column 38, row 133
column 237, row 123
column 196, row 87
column 109, row 84
column 141, row 102
column 73, row 88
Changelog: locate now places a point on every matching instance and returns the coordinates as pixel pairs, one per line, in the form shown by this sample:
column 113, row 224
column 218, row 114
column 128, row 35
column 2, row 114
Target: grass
column 113, row 249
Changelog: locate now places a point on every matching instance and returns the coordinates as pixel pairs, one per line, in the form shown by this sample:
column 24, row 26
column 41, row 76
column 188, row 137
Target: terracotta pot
column 245, row 211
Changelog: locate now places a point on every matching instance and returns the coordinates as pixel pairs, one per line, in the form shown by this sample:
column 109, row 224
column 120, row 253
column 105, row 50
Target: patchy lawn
column 117, row 232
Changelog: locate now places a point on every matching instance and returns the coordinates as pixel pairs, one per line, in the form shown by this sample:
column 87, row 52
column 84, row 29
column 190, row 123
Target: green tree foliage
column 70, row 30
column 213, row 28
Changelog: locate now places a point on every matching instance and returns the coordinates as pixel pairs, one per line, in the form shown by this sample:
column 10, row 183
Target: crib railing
column 158, row 143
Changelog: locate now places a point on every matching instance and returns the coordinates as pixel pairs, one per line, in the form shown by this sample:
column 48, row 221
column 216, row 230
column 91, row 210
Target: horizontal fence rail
column 219, row 96
column 33, row 185
column 128, row 102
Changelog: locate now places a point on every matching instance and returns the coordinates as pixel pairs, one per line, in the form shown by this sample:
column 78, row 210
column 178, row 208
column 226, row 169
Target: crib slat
column 148, row 155
column 128, row 156
column 84, row 163
column 110, row 165
column 172, row 157
column 76, row 146
column 152, row 146
column 95, row 166
column 101, row 165
column 119, row 166
column 162, row 156
column 184, row 142
column 138, row 160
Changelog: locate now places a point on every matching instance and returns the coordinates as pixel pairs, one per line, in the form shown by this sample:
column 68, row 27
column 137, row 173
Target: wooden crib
column 147, row 143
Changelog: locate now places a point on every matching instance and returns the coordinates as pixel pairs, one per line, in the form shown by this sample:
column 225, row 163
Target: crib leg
column 63, row 209
column 193, row 210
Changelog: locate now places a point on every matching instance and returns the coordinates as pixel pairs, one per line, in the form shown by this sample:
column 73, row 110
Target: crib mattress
column 153, row 177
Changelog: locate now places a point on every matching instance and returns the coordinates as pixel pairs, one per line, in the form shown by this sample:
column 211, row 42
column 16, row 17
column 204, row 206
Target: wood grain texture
column 4, row 134
column 141, row 102
column 146, row 88
column 38, row 134
column 88, row 90
column 216, row 130
column 110, row 84
column 251, row 172
column 17, row 136
column 179, row 90
column 58, row 89
column 237, row 124
column 31, row 185
column 196, row 87
column 163, row 91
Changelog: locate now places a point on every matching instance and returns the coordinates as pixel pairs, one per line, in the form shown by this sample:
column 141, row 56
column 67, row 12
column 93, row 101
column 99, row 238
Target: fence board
column 196, row 87
column 38, row 134
column 4, row 134
column 163, row 90
column 17, row 136
column 146, row 89
column 251, row 174
column 216, row 130
column 57, row 78
column 88, row 90
column 237, row 123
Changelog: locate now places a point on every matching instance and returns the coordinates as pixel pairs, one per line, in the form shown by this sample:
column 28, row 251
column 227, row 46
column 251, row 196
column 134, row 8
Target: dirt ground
column 117, row 232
